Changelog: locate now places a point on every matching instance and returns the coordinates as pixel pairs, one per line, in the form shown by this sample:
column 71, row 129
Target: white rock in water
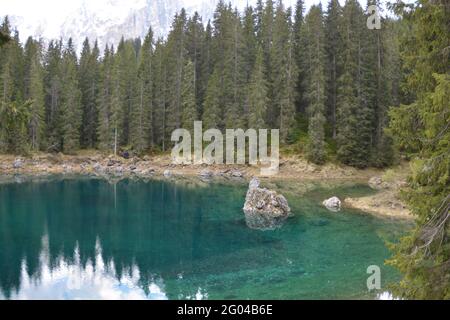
column 237, row 174
column 18, row 163
column 333, row 204
column 254, row 183
column 206, row 173
column 167, row 174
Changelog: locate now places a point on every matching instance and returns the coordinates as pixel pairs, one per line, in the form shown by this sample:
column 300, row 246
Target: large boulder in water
column 264, row 209
column 333, row 204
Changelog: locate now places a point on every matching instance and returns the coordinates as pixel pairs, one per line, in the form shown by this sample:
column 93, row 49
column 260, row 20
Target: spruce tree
column 211, row 107
column 160, row 94
column 107, row 112
column 315, row 48
column 421, row 129
column 36, row 125
column 284, row 74
column 176, row 59
column 189, row 107
column 257, row 94
column 194, row 46
column 53, row 88
column 71, row 112
column 89, row 86
column 300, row 55
column 355, row 107
column 125, row 63
column 333, row 47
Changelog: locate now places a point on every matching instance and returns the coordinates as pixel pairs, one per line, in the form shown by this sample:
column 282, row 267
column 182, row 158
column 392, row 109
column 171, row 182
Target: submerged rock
column 333, row 204
column 237, row 174
column 264, row 209
column 206, row 174
column 377, row 183
column 18, row 163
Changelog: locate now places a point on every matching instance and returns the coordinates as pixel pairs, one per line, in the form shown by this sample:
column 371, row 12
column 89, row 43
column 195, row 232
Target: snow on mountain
column 104, row 20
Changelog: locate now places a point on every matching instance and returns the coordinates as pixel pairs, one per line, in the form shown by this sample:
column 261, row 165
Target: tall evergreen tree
column 333, row 46
column 257, row 94
column 125, row 62
column 176, row 59
column 108, row 107
column 142, row 110
column 160, row 94
column 89, row 86
column 421, row 129
column 211, row 108
column 71, row 111
column 194, row 46
column 35, row 93
column 299, row 52
column 53, row 88
column 284, row 74
column 189, row 114
column 315, row 48
column 355, row 109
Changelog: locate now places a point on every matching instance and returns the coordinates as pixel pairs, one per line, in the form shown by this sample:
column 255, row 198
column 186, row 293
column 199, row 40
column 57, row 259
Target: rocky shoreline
column 114, row 169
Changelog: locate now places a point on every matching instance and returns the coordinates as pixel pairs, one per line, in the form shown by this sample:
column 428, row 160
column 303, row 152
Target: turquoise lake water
column 89, row 239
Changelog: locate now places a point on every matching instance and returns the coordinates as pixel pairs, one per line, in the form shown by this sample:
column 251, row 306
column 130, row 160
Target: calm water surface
column 89, row 239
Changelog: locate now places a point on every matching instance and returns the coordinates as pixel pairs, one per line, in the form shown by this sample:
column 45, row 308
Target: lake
column 83, row 238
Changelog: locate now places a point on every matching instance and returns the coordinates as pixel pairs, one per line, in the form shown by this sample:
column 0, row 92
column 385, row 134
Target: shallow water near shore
column 90, row 239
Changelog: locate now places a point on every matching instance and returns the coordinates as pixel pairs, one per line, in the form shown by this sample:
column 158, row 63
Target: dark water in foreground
column 87, row 239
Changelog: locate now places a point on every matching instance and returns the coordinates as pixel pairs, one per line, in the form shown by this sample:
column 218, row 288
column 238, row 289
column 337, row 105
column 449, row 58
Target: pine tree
column 211, row 108
column 5, row 38
column 194, row 38
column 14, row 118
column 234, row 74
column 355, row 108
column 299, row 52
column 176, row 59
column 257, row 94
column 315, row 48
column 206, row 66
column 71, row 112
column 126, row 71
column 249, row 46
column 107, row 114
column 421, row 129
column 88, row 80
column 160, row 95
column 36, row 126
column 333, row 46
column 189, row 107
column 14, row 113
column 284, row 74
column 53, row 87
column 141, row 114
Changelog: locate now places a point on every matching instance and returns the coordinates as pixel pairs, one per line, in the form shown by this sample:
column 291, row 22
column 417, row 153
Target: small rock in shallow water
column 18, row 163
column 333, row 204
column 167, row 174
column 236, row 174
column 206, row 173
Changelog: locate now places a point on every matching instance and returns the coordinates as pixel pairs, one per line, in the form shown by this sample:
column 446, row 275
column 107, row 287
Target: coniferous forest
column 337, row 90
column 321, row 77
